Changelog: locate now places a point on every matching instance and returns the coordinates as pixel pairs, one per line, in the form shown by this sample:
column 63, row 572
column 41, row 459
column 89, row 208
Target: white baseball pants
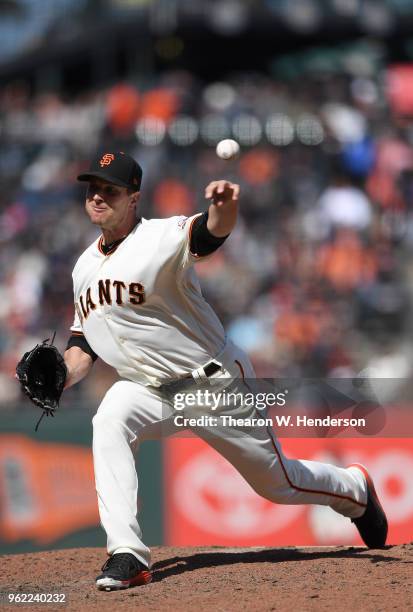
column 131, row 413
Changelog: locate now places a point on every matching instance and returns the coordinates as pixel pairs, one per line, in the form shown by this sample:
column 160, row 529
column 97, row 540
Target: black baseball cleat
column 372, row 525
column 121, row 571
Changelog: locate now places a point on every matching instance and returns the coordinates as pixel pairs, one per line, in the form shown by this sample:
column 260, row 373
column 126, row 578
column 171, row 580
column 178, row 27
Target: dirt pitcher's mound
column 340, row 578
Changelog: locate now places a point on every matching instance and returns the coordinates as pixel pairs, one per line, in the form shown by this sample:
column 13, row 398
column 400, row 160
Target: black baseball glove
column 42, row 374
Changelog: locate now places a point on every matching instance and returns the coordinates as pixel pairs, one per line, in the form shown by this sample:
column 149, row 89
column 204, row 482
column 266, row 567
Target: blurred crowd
column 317, row 278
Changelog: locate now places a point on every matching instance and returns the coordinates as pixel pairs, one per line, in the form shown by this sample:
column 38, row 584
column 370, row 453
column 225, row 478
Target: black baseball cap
column 116, row 167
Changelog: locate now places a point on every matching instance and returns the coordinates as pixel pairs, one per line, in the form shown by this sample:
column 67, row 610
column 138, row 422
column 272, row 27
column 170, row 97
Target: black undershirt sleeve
column 202, row 241
column 80, row 341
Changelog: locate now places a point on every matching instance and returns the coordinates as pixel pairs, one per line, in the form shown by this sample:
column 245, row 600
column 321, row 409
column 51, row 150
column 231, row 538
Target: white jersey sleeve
column 76, row 328
column 183, row 226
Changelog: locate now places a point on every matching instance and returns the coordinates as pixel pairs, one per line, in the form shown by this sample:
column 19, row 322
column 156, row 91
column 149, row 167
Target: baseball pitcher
column 139, row 307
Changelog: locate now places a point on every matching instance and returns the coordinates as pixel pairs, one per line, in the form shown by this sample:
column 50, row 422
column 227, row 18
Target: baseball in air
column 227, row 149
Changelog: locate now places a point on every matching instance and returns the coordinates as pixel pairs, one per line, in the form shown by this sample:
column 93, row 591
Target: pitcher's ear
column 135, row 197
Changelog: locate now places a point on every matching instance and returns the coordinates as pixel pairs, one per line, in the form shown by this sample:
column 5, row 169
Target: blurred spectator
column 171, row 197
column 122, row 108
column 346, row 263
column 343, row 204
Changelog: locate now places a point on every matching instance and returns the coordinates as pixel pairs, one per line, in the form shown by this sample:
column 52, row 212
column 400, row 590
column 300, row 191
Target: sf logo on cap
column 107, row 159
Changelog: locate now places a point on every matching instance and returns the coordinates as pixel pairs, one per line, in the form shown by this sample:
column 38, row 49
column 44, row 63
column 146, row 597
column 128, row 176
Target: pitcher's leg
column 314, row 482
column 126, row 411
column 259, row 459
column 257, row 455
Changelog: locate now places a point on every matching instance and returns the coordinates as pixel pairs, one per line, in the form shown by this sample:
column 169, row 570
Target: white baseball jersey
column 140, row 307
